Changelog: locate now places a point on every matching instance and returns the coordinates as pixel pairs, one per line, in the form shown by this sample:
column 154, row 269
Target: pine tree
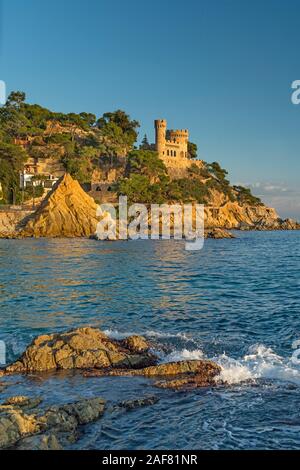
column 145, row 143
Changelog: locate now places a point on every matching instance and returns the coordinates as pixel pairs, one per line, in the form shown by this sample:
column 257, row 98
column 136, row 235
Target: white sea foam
column 159, row 334
column 260, row 363
column 233, row 371
column 115, row 334
column 183, row 355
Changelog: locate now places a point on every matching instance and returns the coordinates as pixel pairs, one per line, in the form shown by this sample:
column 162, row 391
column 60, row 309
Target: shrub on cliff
column 12, row 159
column 146, row 178
column 244, row 196
column 147, row 181
column 146, row 162
column 192, row 150
column 187, row 190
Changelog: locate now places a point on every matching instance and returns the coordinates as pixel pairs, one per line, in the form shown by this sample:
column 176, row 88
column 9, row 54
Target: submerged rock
column 23, row 402
column 138, row 403
column 39, row 442
column 45, row 429
column 218, row 233
column 83, row 348
column 188, row 374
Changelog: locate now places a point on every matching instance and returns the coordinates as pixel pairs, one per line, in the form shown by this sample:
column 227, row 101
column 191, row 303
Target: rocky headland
column 68, row 211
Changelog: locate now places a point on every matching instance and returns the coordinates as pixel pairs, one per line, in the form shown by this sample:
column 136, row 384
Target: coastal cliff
column 10, row 219
column 68, row 211
column 232, row 215
column 84, row 161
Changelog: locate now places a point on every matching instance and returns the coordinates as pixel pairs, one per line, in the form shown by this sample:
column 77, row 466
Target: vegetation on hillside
column 82, row 142
column 78, row 141
column 146, row 180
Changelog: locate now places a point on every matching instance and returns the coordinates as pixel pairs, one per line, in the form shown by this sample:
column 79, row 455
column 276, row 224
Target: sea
column 236, row 302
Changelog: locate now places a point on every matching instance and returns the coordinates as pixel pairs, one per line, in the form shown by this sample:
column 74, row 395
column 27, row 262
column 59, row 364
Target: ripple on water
column 236, row 301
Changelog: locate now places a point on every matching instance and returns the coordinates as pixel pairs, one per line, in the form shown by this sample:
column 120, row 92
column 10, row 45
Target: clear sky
column 221, row 68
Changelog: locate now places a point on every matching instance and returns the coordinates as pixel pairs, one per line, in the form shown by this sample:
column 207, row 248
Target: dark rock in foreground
column 24, row 425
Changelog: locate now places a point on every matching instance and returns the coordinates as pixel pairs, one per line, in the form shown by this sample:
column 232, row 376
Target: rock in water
column 39, row 442
column 135, row 343
column 98, row 355
column 218, row 233
column 67, row 211
column 45, row 429
column 138, row 403
column 83, row 348
column 176, row 375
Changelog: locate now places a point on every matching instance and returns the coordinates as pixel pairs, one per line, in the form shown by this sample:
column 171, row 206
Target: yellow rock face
column 67, row 211
column 82, row 348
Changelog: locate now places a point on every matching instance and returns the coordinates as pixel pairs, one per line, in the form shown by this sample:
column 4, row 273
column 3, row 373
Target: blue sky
column 222, row 68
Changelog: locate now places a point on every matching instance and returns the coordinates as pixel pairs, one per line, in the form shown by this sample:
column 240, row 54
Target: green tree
column 187, row 190
column 192, row 150
column 218, row 172
column 13, row 123
column 121, row 120
column 145, row 143
column 244, row 196
column 88, row 118
column 146, row 178
column 12, row 159
column 79, row 162
column 16, row 99
column 148, row 163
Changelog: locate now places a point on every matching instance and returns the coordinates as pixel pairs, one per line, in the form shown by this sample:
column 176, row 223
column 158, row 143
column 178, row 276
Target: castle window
column 167, row 152
column 174, row 153
column 171, row 153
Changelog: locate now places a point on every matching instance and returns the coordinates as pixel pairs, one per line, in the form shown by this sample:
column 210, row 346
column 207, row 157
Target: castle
column 170, row 143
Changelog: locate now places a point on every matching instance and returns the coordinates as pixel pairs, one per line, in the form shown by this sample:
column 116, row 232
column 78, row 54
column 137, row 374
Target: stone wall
column 178, row 167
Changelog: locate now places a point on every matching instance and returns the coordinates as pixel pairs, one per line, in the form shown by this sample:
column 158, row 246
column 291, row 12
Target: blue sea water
column 236, row 301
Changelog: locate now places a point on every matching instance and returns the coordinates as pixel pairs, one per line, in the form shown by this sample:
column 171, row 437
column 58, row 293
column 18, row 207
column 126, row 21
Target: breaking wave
column 260, row 362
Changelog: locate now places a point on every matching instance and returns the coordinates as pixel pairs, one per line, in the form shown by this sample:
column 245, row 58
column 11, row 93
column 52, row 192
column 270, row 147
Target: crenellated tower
column 160, row 135
column 174, row 145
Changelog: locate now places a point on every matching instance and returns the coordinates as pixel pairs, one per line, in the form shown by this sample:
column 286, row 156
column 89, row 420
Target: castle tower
column 160, row 135
column 181, row 136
